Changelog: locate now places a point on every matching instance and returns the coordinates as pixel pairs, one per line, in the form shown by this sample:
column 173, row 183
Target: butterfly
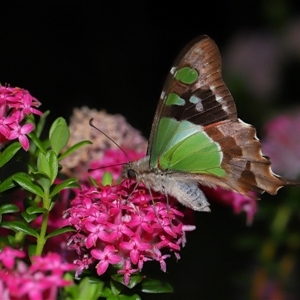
column 197, row 138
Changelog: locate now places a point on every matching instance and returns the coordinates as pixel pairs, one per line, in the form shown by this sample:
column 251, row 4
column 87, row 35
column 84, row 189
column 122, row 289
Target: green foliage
column 93, row 288
column 155, row 286
column 39, row 186
column 107, row 178
column 9, row 153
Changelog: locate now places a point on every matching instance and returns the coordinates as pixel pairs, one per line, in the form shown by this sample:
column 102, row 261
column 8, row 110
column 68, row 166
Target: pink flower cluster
column 39, row 281
column 15, row 105
column 124, row 226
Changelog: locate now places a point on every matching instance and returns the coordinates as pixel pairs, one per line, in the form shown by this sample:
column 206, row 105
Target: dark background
column 115, row 55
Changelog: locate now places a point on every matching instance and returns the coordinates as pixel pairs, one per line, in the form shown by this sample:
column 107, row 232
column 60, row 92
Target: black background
column 115, row 55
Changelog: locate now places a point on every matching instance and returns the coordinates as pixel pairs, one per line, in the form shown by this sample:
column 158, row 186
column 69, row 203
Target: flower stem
column 41, row 239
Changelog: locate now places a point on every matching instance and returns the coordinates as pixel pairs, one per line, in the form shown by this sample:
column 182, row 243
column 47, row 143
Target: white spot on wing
column 173, row 69
column 218, row 98
column 224, row 104
column 197, row 101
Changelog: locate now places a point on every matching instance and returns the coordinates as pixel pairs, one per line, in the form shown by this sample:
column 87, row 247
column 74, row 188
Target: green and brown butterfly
column 197, row 138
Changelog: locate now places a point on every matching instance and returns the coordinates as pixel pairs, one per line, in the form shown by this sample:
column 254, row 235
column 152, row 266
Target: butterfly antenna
column 92, row 125
column 104, row 167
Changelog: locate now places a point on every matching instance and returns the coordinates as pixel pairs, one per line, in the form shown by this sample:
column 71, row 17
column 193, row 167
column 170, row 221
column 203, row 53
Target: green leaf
column 68, row 183
column 116, row 287
column 43, row 180
column 56, row 123
column 31, row 250
column 74, row 148
column 107, row 178
column 89, row 290
column 53, row 164
column 154, row 286
column 25, row 182
column 60, row 231
column 124, row 297
column 18, row 226
column 113, row 297
column 130, row 297
column 37, row 142
column 105, row 292
column 59, row 135
column 43, row 164
column 28, row 217
column 134, row 279
column 5, row 241
column 7, row 184
column 8, row 209
column 35, row 210
column 40, row 126
column 48, row 165
column 71, row 290
column 9, row 153
column 93, row 181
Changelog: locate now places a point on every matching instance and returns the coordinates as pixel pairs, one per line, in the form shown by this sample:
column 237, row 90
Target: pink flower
column 97, row 231
column 51, row 262
column 135, row 246
column 105, row 257
column 127, row 271
column 20, row 132
column 119, row 225
column 8, row 256
column 161, row 258
column 83, row 264
column 15, row 105
column 41, row 280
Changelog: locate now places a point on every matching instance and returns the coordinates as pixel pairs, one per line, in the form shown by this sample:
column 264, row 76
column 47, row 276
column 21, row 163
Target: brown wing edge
column 247, row 169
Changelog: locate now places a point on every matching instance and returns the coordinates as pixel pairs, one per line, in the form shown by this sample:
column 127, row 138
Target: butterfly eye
column 131, row 174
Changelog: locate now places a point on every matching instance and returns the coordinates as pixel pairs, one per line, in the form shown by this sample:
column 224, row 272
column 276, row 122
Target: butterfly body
column 175, row 184
column 196, row 137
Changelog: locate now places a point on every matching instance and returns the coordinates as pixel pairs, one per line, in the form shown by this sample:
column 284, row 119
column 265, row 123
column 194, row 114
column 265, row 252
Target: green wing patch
column 183, row 146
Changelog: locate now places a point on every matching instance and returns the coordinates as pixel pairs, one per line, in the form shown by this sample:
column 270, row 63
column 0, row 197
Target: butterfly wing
column 196, row 133
column 200, row 57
